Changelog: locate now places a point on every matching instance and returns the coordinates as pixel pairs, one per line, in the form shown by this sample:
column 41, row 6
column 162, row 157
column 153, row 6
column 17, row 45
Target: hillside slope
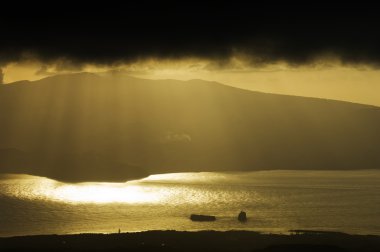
column 83, row 127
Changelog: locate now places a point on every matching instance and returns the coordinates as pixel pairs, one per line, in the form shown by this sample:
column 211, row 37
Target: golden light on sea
column 90, row 192
column 104, row 193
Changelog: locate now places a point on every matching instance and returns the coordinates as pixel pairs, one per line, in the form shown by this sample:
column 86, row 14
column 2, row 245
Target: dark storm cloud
column 125, row 33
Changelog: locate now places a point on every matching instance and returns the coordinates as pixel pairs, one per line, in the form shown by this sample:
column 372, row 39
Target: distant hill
column 82, row 127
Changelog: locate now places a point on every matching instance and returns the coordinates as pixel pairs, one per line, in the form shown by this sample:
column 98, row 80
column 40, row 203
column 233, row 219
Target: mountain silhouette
column 112, row 127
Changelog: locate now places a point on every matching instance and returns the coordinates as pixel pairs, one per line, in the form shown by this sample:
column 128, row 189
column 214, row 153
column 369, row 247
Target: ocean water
column 275, row 202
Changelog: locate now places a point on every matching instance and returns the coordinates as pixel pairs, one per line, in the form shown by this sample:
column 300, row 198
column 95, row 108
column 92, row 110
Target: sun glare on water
column 155, row 189
column 91, row 192
column 104, row 193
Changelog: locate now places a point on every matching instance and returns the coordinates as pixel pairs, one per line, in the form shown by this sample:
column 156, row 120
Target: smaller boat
column 242, row 217
column 199, row 217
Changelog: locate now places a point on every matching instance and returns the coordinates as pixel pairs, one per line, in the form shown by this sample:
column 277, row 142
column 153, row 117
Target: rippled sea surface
column 275, row 201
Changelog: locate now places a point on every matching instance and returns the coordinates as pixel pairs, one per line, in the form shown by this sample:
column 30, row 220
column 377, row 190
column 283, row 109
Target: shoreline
column 170, row 240
column 141, row 178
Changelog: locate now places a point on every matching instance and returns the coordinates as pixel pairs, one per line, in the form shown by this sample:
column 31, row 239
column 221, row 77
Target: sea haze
column 275, row 201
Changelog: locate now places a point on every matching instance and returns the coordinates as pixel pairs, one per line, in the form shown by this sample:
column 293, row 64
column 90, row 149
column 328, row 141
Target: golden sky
column 324, row 79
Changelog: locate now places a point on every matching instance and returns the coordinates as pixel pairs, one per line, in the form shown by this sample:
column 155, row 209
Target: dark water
column 275, row 201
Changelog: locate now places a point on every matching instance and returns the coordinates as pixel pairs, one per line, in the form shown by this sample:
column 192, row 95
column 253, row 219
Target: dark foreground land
column 194, row 241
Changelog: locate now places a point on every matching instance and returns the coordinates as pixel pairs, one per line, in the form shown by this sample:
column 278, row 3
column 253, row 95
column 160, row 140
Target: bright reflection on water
column 104, row 193
column 32, row 187
column 155, row 189
column 275, row 201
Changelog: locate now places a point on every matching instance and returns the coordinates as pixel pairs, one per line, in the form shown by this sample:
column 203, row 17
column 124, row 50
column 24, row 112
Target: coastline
column 142, row 178
column 298, row 240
